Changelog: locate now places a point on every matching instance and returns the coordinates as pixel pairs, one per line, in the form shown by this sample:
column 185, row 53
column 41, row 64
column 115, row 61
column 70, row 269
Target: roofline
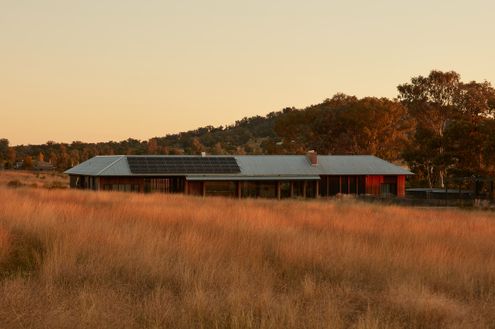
column 396, row 170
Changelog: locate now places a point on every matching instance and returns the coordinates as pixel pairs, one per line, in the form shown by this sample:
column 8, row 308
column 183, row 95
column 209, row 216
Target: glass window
column 285, row 189
column 221, row 188
column 268, row 189
column 352, row 184
column 298, row 189
column 311, row 189
column 345, row 184
column 249, row 190
column 334, row 182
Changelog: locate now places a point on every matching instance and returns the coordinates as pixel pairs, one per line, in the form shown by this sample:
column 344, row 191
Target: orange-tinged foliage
column 116, row 260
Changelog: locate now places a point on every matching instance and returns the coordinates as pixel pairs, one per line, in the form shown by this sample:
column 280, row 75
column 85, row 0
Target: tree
column 345, row 125
column 196, row 146
column 11, row 155
column 152, row 146
column 74, row 158
column 53, row 159
column 449, row 115
column 370, row 125
column 4, row 148
column 28, row 162
column 218, row 149
column 488, row 130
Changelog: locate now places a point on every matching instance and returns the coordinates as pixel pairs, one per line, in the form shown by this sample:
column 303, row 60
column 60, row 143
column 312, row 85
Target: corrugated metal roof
column 273, row 165
column 261, row 166
column 98, row 165
column 357, row 165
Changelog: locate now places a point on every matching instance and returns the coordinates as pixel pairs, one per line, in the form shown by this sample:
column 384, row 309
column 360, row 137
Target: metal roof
column 357, row 165
column 257, row 167
column 101, row 165
column 275, row 165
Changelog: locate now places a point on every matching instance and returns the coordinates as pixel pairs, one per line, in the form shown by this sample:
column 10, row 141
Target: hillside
column 425, row 126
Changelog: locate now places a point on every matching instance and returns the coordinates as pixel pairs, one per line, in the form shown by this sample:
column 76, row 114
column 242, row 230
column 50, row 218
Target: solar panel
column 183, row 165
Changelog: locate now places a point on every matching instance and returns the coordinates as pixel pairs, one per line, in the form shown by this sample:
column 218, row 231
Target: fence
column 417, row 202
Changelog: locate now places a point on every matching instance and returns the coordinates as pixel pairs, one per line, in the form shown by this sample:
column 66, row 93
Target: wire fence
column 418, row 202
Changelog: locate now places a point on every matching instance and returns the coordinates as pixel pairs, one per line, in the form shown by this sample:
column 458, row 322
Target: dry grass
column 73, row 259
column 23, row 178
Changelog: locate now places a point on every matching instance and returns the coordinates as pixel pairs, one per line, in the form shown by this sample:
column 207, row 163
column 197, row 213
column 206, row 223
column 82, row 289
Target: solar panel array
column 183, row 165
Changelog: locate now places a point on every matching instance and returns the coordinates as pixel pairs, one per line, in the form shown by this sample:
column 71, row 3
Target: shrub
column 14, row 183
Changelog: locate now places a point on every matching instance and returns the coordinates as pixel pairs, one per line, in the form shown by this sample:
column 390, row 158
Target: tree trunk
column 428, row 175
column 441, row 174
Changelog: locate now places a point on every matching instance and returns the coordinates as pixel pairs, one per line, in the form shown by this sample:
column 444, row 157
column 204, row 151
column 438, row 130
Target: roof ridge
column 120, row 157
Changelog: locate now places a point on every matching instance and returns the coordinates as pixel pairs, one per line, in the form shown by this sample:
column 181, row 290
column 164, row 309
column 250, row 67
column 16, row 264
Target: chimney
column 312, row 157
column 203, row 154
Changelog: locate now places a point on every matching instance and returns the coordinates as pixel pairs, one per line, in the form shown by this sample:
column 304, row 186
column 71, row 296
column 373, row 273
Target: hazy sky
column 99, row 70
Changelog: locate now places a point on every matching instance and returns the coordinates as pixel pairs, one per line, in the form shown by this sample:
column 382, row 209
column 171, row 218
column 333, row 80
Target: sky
column 101, row 70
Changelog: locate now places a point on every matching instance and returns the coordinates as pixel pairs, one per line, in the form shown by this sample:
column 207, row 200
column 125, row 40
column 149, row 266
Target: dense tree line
column 438, row 125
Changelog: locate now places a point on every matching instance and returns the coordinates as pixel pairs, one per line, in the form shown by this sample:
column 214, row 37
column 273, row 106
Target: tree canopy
column 454, row 121
column 438, row 125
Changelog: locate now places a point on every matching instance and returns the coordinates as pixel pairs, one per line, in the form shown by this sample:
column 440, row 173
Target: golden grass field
column 42, row 179
column 73, row 259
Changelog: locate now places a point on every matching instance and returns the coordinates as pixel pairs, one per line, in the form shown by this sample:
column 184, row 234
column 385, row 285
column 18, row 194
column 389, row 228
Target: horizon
column 109, row 71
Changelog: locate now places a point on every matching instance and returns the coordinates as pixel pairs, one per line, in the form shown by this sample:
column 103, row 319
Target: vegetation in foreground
column 33, row 179
column 71, row 259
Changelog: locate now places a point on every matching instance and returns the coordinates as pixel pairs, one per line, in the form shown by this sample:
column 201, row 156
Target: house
column 271, row 176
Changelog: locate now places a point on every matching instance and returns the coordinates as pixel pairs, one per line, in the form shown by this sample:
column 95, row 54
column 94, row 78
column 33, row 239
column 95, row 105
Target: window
column 352, row 184
column 268, row 189
column 221, row 188
column 334, row 182
column 285, row 189
column 164, row 185
column 345, row 184
column 298, row 189
column 249, row 190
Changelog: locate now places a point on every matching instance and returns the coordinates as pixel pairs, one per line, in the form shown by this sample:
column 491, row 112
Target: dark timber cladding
column 264, row 176
column 183, row 165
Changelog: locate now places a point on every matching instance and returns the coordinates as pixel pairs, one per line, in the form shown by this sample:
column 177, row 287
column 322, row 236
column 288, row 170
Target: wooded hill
column 438, row 125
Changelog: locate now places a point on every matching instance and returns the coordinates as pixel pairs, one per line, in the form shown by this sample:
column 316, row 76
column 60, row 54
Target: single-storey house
column 272, row 176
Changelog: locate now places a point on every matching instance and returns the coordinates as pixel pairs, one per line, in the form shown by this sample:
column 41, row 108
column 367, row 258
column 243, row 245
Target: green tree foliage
column 28, row 162
column 452, row 125
column 11, row 155
column 152, row 146
column 347, row 125
column 4, row 148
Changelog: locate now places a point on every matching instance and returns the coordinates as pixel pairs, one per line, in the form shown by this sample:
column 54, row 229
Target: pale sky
column 100, row 70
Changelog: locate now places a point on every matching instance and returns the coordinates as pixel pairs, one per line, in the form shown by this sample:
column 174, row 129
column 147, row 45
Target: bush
column 15, row 183
column 56, row 185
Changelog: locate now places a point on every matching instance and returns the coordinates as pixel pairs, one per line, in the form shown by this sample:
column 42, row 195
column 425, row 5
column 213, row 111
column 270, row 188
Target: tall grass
column 71, row 259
